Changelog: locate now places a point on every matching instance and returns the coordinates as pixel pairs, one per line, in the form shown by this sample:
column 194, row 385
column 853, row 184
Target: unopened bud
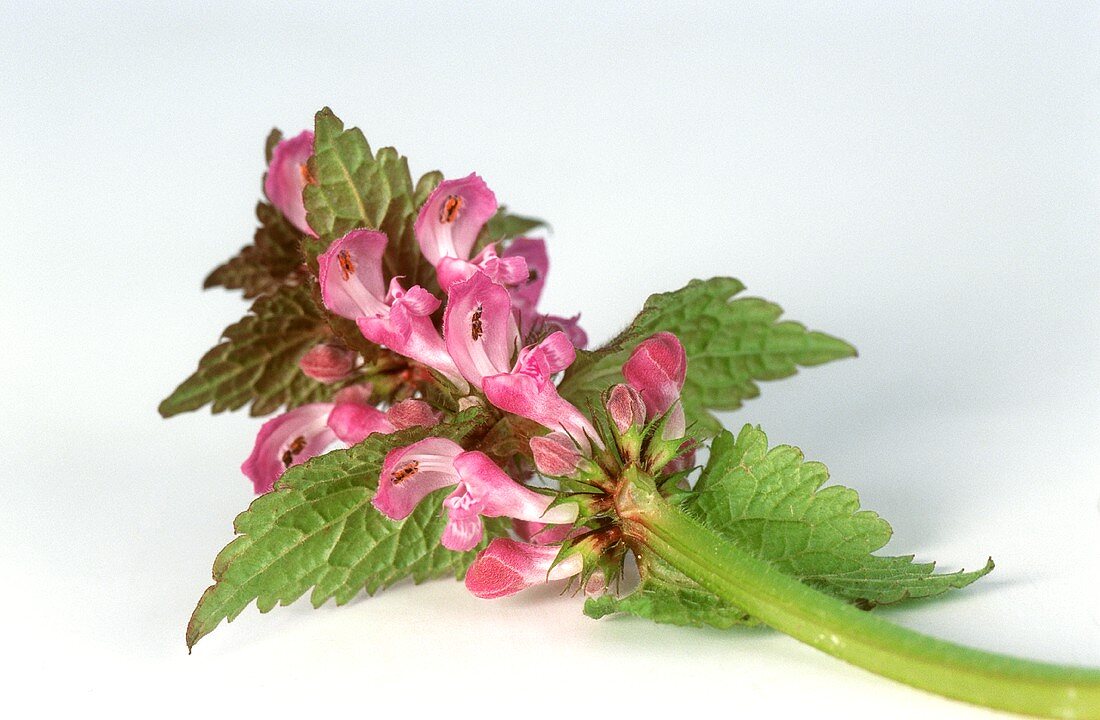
column 328, row 363
column 626, row 407
column 412, row 413
column 555, row 454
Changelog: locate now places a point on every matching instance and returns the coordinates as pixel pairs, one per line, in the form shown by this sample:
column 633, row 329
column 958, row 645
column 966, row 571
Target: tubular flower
column 485, row 490
column 411, row 473
column 479, row 329
column 286, row 440
column 287, row 176
column 450, row 220
column 350, row 274
column 505, row 567
column 307, row 431
column 529, row 391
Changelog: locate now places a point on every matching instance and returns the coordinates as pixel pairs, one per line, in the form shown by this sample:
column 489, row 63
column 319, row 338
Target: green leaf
column 273, row 138
column 425, row 185
column 505, row 226
column 731, row 344
column 774, row 504
column 257, row 361
column 317, row 529
column 356, row 188
column 272, row 261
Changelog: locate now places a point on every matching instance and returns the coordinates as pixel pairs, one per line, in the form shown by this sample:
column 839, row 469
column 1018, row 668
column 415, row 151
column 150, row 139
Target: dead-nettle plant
column 396, row 329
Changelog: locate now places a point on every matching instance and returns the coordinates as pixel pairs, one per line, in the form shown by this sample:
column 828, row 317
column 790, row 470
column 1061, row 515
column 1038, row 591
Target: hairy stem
column 997, row 681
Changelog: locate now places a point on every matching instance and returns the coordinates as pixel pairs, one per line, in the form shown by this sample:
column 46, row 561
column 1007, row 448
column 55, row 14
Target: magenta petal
column 350, row 274
column 452, row 270
column 657, row 369
column 411, row 473
column 286, row 440
column 419, row 301
column 529, row 391
column 452, row 217
column 287, row 176
column 353, row 422
column 463, row 531
column 568, row 325
column 479, row 329
column 507, row 566
column 533, row 252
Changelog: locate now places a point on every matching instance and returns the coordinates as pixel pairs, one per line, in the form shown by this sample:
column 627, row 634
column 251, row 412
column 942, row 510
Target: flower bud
column 412, row 413
column 657, row 369
column 626, row 407
column 555, row 454
column 328, row 363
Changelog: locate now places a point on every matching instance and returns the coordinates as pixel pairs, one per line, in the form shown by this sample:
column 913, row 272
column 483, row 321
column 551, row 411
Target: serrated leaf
column 318, row 530
column 272, row 261
column 349, row 189
column 355, row 188
column 731, row 343
column 775, row 505
column 257, row 360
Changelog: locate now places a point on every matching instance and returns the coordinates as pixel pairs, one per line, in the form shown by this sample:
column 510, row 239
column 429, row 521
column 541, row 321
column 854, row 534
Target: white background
column 922, row 180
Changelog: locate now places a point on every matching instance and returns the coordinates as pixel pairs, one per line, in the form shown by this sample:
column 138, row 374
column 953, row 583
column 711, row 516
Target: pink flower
column 485, row 490
column 657, row 369
column 452, row 217
column 507, row 566
column 504, row 270
column 328, row 363
column 286, row 177
column 350, row 274
column 286, row 440
column 529, row 391
column 407, row 329
column 411, row 473
column 479, row 329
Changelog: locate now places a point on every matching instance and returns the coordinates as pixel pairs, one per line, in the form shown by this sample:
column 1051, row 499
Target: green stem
column 651, row 524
